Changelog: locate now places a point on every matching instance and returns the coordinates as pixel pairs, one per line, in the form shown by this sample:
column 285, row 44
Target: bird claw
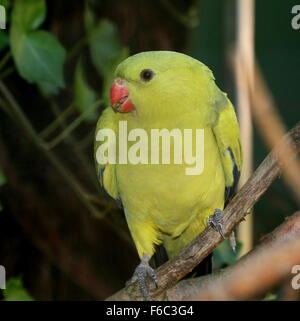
column 142, row 271
column 216, row 221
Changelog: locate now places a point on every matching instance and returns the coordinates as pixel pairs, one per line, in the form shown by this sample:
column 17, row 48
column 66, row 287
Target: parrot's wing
column 106, row 172
column 227, row 135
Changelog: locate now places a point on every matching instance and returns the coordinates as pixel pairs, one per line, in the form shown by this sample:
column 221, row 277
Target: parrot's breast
column 164, row 196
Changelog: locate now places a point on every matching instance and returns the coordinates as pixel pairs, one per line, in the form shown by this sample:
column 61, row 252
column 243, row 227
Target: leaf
column 85, row 96
column 48, row 89
column 39, row 57
column 224, row 255
column 15, row 291
column 5, row 3
column 28, row 15
column 4, row 39
column 106, row 51
column 270, row 297
column 104, row 45
column 89, row 17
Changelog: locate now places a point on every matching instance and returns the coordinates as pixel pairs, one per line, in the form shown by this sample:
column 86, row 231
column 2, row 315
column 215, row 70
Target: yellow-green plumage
column 162, row 204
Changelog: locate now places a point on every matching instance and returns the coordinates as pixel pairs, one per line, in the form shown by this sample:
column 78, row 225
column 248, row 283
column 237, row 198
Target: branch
column 270, row 124
column 176, row 268
column 75, row 123
column 57, row 122
column 254, row 274
column 272, row 129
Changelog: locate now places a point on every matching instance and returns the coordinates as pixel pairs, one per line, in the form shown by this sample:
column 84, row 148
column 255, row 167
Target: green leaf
column 270, row 297
column 4, row 39
column 224, row 255
column 89, row 18
column 105, row 49
column 15, row 291
column 85, row 96
column 39, row 57
column 48, row 89
column 104, row 45
column 5, row 3
column 28, row 14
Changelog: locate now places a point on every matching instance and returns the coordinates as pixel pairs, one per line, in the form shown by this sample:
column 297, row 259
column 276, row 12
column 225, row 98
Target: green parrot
column 165, row 205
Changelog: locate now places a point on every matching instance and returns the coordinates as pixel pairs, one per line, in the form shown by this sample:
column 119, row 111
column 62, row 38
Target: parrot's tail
column 203, row 268
column 160, row 257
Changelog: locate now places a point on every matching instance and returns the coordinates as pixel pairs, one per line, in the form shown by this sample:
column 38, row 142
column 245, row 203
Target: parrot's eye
column 147, row 74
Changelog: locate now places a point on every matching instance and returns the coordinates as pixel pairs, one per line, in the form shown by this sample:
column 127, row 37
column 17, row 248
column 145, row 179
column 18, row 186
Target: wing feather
column 227, row 134
column 106, row 173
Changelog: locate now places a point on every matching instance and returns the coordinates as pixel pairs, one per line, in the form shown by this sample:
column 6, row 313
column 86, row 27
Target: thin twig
column 189, row 20
column 245, row 49
column 5, row 73
column 56, row 123
column 5, row 59
column 272, row 129
column 68, row 130
column 86, row 162
column 80, row 44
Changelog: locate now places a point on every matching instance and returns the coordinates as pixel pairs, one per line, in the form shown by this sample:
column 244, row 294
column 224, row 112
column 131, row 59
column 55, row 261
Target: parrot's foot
column 142, row 271
column 232, row 241
column 216, row 221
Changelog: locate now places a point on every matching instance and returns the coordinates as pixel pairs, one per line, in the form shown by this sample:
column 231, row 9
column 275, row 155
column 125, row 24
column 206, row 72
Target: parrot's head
column 160, row 83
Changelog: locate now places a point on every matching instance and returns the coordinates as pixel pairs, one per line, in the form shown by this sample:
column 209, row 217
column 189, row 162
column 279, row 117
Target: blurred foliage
column 84, row 95
column 15, row 291
column 4, row 40
column 224, row 255
column 270, row 297
column 105, row 49
column 2, row 178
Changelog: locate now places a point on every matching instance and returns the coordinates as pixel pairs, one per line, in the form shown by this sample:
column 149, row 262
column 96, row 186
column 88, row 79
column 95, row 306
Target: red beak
column 119, row 99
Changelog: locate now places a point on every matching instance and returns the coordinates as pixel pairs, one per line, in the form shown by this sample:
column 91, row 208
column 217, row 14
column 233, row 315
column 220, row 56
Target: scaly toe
column 141, row 273
column 216, row 221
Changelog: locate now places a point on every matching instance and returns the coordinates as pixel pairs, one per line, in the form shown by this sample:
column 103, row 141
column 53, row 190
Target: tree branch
column 254, row 274
column 175, row 269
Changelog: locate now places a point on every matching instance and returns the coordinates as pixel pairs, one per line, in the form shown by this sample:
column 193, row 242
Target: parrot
column 163, row 206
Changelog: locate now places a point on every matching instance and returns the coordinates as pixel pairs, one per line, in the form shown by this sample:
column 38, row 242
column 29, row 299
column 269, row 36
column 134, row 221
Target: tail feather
column 160, row 257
